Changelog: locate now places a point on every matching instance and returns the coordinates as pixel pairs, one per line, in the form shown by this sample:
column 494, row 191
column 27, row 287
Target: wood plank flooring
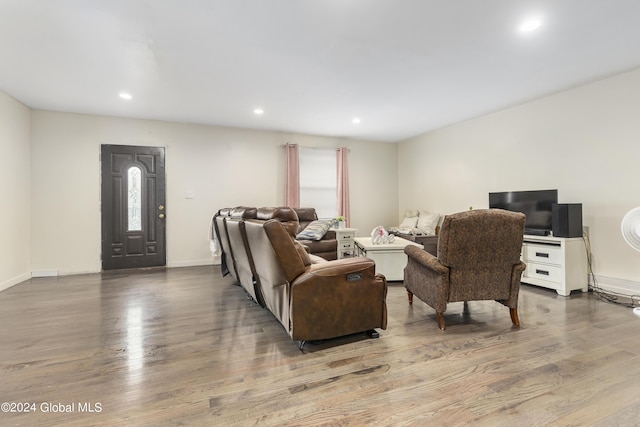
column 185, row 346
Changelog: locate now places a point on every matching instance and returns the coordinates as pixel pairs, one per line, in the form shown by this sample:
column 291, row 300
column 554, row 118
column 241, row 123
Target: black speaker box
column 566, row 219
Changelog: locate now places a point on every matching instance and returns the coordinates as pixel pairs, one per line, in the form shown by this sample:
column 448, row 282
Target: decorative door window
column 134, row 190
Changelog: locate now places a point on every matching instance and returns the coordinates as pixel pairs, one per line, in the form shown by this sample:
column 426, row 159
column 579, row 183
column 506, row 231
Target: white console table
column 556, row 263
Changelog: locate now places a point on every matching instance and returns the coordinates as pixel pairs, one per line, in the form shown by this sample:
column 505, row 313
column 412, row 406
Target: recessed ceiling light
column 258, row 111
column 356, row 120
column 125, row 95
column 530, row 25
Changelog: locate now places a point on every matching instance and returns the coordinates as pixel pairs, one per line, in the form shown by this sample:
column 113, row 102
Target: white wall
column 223, row 167
column 585, row 142
column 15, row 183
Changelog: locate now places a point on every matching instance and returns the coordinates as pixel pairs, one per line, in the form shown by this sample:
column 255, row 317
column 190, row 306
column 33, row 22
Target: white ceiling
column 403, row 67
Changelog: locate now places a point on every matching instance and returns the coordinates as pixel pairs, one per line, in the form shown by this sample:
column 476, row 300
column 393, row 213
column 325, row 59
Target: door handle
column 161, row 216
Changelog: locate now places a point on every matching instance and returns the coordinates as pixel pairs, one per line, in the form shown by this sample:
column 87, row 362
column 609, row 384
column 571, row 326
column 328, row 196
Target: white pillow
column 409, row 222
column 411, row 213
column 427, row 222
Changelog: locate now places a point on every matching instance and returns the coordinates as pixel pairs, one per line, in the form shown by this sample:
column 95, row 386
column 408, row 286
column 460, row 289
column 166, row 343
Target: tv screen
column 536, row 205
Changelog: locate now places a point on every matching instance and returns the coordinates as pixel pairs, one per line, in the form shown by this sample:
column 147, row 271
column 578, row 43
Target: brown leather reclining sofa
column 312, row 298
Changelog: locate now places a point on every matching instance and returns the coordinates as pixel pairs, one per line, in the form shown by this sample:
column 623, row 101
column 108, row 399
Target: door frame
column 105, row 234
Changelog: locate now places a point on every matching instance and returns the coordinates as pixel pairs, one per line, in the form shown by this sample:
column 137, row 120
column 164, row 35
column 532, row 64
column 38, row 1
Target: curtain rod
column 316, row 148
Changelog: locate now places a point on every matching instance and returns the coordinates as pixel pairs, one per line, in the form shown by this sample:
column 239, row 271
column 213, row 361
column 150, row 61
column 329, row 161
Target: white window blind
column 318, row 185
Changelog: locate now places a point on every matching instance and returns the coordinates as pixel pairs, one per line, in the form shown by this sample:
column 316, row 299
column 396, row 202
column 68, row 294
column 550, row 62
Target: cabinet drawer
column 543, row 253
column 347, row 236
column 547, row 272
column 345, row 245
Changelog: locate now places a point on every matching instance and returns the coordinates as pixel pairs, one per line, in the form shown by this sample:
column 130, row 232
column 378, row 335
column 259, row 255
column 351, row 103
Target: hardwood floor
column 186, row 347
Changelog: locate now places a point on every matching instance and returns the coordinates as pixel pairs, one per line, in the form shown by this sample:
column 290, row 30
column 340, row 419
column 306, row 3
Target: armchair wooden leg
column 410, row 295
column 440, row 318
column 514, row 316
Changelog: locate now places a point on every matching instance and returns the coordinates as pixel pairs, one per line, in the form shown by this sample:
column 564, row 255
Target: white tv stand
column 557, row 263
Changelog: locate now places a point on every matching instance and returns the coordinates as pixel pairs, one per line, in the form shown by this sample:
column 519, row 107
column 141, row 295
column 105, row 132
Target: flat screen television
column 536, row 205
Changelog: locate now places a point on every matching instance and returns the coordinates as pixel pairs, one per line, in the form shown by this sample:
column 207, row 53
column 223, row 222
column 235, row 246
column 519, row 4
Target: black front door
column 133, row 207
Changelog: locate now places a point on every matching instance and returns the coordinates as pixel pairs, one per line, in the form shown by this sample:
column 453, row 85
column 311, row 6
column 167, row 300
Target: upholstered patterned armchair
column 478, row 259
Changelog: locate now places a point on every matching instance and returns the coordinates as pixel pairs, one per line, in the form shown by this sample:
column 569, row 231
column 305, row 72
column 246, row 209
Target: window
column 134, row 185
column 318, row 184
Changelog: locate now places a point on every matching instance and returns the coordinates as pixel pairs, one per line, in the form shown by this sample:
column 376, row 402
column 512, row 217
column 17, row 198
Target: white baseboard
column 44, row 273
column 194, row 263
column 14, row 281
column 618, row 286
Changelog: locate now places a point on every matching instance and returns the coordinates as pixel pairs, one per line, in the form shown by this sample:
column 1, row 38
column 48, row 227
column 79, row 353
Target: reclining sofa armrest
column 344, row 267
column 337, row 298
column 329, row 235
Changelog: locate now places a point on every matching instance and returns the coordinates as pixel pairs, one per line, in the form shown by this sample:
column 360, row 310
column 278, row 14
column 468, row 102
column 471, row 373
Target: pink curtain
column 292, row 185
column 343, row 184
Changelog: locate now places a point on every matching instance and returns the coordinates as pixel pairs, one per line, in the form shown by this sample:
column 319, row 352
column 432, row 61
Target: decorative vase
column 342, row 224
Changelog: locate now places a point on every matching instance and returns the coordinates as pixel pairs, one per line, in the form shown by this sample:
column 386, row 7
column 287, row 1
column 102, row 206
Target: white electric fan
column 631, row 233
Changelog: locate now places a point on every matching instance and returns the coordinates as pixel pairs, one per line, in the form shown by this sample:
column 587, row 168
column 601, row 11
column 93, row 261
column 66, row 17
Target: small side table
column 345, row 238
column 389, row 257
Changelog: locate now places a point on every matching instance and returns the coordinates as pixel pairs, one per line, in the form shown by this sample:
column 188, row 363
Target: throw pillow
column 427, row 222
column 411, row 213
column 409, row 222
column 315, row 230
